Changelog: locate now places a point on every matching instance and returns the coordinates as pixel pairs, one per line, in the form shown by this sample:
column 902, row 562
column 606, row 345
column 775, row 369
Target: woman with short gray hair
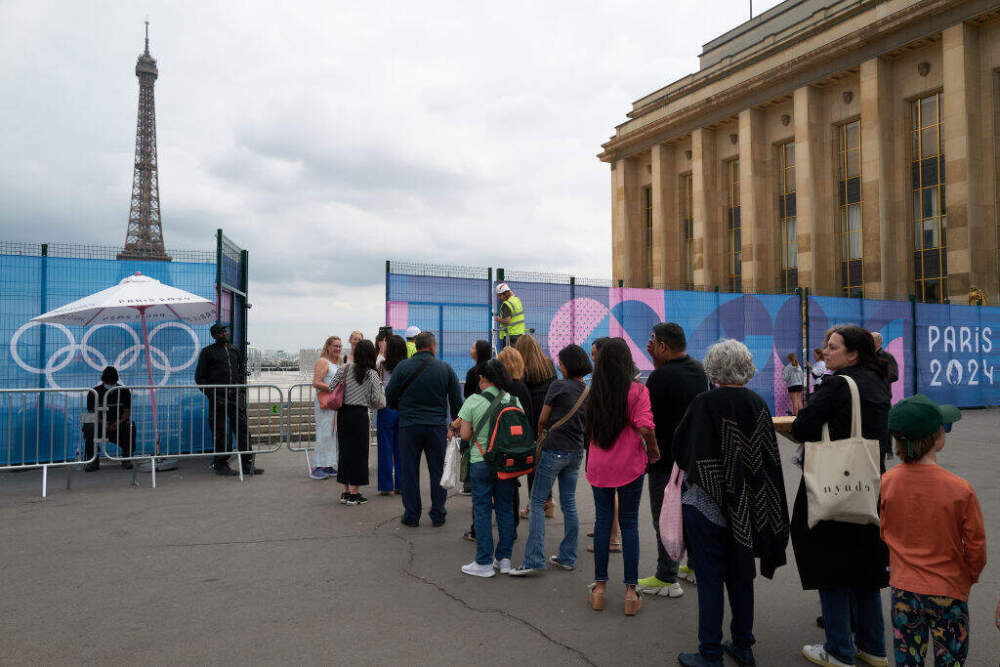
column 733, row 500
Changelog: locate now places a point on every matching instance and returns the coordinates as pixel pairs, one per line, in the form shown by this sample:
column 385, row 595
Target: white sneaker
column 477, row 570
column 816, row 654
column 873, row 660
column 503, row 565
column 522, row 571
column 673, row 590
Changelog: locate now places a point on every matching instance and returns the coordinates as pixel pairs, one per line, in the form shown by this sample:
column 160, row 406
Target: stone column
column 756, row 204
column 626, row 223
column 668, row 267
column 815, row 208
column 971, row 237
column 885, row 242
column 709, row 243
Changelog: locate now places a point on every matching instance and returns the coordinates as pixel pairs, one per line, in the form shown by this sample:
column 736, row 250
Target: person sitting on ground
column 933, row 526
column 120, row 429
column 561, row 455
column 490, row 494
column 539, row 373
column 325, row 453
column 733, row 501
column 677, row 379
column 620, row 431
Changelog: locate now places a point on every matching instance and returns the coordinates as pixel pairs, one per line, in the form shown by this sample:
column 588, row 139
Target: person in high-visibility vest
column 411, row 347
column 510, row 321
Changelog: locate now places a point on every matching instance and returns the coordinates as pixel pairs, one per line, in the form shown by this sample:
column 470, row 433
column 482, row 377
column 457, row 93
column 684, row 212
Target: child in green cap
column 932, row 524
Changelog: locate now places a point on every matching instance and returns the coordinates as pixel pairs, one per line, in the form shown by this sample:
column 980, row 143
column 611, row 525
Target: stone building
column 847, row 146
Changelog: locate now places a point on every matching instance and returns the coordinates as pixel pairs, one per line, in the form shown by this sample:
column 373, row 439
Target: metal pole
column 572, row 309
column 218, row 276
column 913, row 342
column 387, row 292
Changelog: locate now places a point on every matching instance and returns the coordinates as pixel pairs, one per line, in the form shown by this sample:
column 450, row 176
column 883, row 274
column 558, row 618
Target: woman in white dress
column 325, row 455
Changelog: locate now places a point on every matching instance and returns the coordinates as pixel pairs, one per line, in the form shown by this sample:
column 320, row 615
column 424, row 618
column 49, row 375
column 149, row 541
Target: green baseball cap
column 917, row 417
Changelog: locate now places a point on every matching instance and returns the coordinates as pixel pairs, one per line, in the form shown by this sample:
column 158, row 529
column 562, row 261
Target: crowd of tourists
column 698, row 436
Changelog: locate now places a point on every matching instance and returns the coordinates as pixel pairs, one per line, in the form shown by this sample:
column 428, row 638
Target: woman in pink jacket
column 621, row 442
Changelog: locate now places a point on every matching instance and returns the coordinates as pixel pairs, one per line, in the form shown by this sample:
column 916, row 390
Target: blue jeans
column 629, row 496
column 430, row 441
column 711, row 554
column 553, row 465
column 490, row 495
column 389, row 463
column 837, row 604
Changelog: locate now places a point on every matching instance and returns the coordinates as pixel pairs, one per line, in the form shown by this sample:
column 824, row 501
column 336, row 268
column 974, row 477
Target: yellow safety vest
column 411, row 348
column 516, row 325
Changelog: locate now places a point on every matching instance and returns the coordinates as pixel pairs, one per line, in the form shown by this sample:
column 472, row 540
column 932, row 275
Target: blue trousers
column 565, row 467
column 711, row 554
column 429, row 440
column 389, row 463
column 869, row 635
column 491, row 496
column 629, row 496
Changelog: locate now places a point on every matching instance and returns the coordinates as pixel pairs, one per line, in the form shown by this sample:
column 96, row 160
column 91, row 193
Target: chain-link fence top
column 439, row 270
column 83, row 251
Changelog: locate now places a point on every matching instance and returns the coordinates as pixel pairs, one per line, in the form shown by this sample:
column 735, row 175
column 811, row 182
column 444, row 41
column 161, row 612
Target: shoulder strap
column 572, row 411
column 409, row 380
column 855, row 406
column 486, row 415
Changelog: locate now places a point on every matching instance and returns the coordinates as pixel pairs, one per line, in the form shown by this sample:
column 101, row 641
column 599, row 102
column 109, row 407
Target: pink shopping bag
column 671, row 523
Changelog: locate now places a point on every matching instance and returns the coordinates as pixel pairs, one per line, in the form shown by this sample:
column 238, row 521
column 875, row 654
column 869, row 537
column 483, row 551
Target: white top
column 818, row 371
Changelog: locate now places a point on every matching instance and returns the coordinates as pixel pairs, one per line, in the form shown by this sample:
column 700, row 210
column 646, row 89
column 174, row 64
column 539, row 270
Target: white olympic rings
column 94, row 358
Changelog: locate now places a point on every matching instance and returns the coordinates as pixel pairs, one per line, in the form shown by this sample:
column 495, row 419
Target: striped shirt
column 369, row 393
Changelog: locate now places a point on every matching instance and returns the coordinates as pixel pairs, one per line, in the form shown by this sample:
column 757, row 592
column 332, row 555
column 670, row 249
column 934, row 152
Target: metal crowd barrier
column 42, row 428
column 181, row 421
column 301, row 421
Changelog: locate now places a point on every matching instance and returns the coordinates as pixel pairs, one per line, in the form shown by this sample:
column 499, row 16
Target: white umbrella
column 141, row 298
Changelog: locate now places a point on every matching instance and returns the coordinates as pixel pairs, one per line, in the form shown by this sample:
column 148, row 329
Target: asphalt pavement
column 273, row 570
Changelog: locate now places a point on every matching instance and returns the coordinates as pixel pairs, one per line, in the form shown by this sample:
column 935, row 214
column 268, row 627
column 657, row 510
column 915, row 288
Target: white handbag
column 843, row 477
column 451, row 475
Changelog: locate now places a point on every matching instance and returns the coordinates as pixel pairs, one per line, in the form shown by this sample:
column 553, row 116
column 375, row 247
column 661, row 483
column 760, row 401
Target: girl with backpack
column 490, row 494
column 619, row 428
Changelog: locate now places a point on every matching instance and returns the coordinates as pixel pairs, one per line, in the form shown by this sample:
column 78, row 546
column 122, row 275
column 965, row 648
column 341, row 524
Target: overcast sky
column 328, row 137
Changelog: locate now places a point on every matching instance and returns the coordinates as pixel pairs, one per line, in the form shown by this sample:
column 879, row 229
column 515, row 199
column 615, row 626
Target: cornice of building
column 774, row 82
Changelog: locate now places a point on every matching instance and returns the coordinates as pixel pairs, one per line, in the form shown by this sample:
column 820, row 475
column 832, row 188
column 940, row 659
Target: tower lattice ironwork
column 144, row 239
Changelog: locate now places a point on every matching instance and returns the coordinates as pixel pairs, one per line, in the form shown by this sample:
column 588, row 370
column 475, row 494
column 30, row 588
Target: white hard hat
column 502, row 287
column 412, row 332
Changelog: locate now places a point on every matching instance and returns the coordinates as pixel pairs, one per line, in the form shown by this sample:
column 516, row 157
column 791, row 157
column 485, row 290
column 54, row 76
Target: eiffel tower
column 144, row 239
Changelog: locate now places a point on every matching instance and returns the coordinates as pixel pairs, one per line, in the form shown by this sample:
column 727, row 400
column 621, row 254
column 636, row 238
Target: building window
column 687, row 224
column 849, row 190
column 930, row 221
column 735, row 253
column 788, row 260
column 647, row 219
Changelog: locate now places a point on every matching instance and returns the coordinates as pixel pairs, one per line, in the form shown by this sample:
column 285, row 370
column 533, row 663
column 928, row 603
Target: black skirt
column 353, row 442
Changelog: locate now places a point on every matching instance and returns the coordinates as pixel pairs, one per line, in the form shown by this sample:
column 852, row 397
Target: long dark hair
column 364, row 359
column 607, row 407
column 395, row 352
column 860, row 340
column 484, row 351
column 495, row 373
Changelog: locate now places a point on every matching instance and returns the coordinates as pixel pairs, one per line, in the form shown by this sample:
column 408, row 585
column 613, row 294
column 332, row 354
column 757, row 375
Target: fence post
column 218, row 276
column 387, row 292
column 572, row 309
column 489, row 307
column 804, row 331
column 913, row 341
column 718, row 318
column 44, row 308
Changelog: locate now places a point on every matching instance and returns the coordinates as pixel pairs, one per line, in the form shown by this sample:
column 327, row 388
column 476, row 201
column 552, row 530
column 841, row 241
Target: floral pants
column 919, row 619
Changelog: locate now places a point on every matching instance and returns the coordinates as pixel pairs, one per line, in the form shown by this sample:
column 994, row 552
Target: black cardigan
column 834, row 554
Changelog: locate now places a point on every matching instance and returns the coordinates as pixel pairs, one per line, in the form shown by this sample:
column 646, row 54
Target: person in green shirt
column 489, row 494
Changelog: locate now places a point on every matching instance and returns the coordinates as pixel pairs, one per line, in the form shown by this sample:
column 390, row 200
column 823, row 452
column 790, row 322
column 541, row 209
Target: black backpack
column 510, row 450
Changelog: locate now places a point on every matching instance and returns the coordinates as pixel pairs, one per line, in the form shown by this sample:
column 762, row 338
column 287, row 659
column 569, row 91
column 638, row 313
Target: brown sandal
column 615, row 548
column 597, row 595
column 550, row 508
column 632, row 605
column 525, row 512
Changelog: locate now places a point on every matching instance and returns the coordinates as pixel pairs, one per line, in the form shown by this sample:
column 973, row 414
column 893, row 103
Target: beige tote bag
column 842, row 477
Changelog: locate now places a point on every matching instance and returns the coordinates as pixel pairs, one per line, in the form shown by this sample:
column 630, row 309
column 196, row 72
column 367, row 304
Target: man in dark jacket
column 422, row 389
column 678, row 378
column 120, row 428
column 221, row 363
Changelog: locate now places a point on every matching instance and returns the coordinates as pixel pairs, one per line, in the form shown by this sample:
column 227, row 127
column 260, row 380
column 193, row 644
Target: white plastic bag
column 842, row 477
column 452, row 464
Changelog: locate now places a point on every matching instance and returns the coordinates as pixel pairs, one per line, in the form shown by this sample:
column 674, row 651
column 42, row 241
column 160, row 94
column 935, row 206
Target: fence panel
column 43, row 427
column 958, row 358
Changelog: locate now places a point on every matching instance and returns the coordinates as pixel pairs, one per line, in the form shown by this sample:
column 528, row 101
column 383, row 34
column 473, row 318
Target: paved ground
column 209, row 570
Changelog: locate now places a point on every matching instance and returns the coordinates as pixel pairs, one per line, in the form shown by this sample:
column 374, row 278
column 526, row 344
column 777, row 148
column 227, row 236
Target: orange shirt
column 933, row 527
